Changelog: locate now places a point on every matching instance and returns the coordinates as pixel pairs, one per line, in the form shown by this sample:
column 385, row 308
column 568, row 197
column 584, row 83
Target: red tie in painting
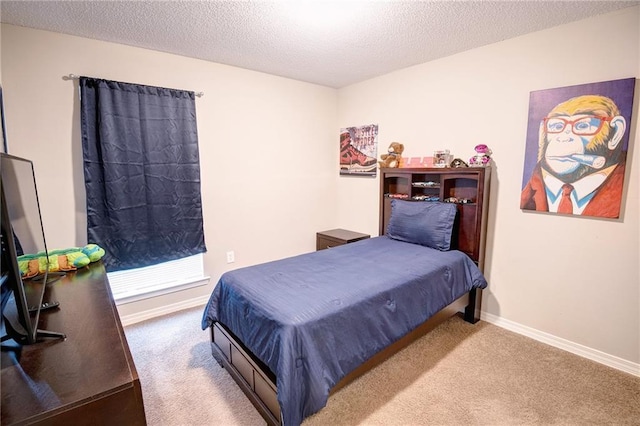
column 565, row 202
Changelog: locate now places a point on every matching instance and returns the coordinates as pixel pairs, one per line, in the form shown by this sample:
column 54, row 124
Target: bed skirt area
column 259, row 383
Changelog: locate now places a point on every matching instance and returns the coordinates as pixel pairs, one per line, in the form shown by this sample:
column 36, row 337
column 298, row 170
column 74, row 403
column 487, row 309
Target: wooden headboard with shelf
column 467, row 187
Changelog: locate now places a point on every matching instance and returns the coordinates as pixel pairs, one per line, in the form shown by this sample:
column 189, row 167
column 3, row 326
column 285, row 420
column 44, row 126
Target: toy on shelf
column 457, row 163
column 482, row 157
column 442, row 158
column 392, row 157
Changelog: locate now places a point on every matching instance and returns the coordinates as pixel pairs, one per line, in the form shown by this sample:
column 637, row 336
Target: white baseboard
column 549, row 339
column 163, row 310
column 567, row 345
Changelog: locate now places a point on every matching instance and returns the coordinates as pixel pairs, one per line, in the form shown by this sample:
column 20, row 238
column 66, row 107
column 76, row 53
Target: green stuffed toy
column 59, row 260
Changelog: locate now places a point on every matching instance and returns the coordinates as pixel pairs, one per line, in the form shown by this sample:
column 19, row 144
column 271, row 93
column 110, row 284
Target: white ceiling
column 358, row 40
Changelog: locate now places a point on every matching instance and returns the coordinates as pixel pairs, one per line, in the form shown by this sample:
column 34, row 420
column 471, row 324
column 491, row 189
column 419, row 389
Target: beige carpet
column 459, row 374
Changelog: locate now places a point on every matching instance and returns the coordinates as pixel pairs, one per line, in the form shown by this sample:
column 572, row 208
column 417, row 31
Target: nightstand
column 337, row 237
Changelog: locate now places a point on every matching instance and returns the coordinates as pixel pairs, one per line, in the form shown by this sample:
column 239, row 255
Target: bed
column 293, row 330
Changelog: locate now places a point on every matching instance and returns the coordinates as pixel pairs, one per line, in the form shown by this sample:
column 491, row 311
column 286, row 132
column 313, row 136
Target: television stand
column 17, row 333
column 89, row 377
column 21, row 339
column 50, row 334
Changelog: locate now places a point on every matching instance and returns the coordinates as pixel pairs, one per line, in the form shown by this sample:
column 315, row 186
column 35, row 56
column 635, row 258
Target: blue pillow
column 428, row 223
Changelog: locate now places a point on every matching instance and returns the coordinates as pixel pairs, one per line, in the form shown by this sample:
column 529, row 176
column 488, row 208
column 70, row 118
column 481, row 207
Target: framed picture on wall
column 358, row 150
column 576, row 149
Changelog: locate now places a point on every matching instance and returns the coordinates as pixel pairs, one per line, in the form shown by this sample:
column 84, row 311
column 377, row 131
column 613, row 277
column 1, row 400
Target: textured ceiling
column 332, row 43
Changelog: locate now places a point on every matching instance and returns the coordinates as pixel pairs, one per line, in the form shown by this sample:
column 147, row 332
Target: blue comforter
column 315, row 317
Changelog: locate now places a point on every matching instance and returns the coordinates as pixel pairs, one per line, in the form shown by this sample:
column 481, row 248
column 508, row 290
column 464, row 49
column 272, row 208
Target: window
column 142, row 178
column 136, row 284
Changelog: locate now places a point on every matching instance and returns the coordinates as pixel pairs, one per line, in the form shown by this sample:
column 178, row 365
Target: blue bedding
column 315, row 317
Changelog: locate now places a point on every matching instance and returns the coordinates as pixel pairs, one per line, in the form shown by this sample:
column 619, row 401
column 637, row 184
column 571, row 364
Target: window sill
column 158, row 290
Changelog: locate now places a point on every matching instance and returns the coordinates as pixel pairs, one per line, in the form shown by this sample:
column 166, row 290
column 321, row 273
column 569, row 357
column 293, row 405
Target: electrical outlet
column 231, row 257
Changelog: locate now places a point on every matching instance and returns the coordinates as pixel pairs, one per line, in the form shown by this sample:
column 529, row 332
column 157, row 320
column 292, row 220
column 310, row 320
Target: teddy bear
column 392, row 158
column 482, row 157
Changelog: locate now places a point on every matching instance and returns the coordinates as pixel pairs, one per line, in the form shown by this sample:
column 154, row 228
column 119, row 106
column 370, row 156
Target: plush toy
column 482, row 157
column 457, row 163
column 59, row 260
column 392, row 158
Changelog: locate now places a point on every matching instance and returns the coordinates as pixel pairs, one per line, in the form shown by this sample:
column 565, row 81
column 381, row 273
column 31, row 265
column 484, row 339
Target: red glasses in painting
column 584, row 126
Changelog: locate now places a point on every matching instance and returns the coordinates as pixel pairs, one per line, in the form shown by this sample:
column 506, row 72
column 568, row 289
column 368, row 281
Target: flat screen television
column 22, row 233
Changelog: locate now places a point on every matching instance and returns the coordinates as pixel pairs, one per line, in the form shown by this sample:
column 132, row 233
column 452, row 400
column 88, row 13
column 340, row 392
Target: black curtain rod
column 75, row 77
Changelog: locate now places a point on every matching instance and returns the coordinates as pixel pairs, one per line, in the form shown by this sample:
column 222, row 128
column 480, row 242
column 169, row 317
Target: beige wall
column 268, row 145
column 570, row 277
column 269, row 162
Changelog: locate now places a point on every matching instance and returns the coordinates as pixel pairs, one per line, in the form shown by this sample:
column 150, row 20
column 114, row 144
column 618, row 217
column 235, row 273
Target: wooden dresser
column 87, row 379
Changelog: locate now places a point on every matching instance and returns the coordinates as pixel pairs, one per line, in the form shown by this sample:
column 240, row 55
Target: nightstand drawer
column 337, row 237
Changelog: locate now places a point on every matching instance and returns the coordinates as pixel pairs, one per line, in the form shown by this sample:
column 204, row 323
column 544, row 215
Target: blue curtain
column 142, row 172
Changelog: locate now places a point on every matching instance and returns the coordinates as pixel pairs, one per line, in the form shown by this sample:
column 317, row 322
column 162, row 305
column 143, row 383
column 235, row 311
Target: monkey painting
column 580, row 160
